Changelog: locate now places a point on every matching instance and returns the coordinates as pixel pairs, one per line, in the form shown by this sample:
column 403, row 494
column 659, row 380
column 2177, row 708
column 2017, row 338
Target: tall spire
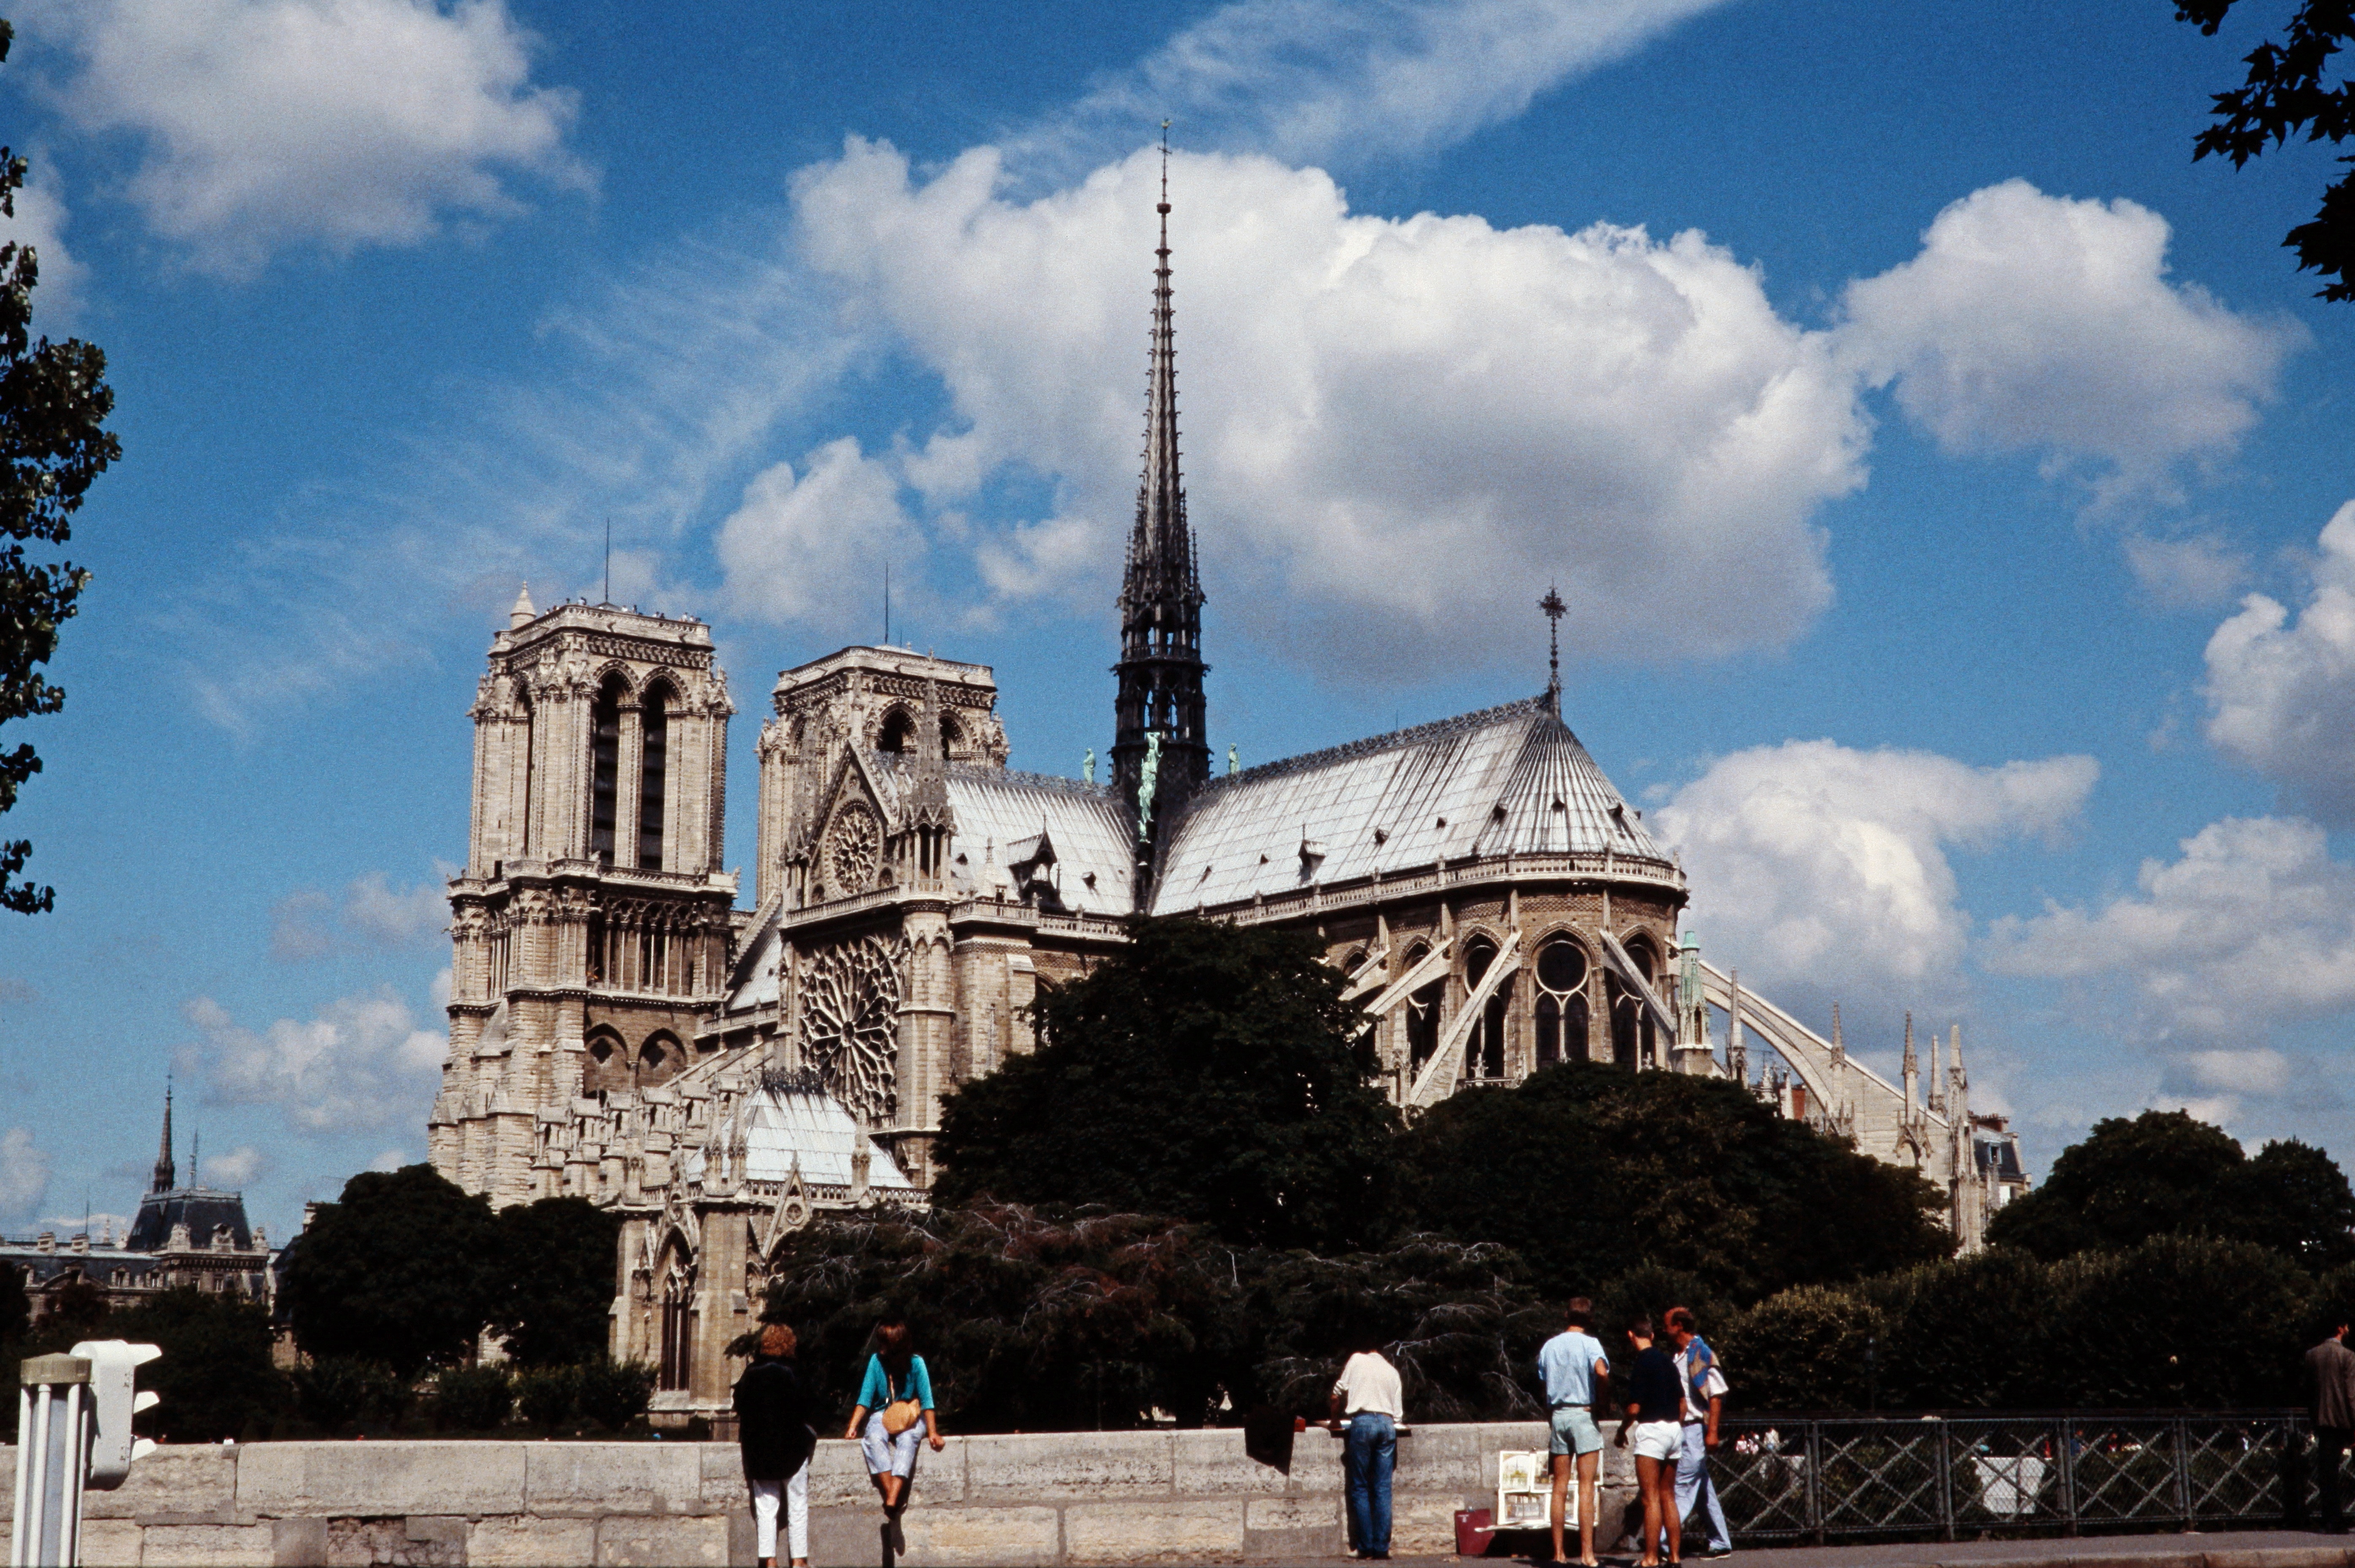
column 1160, row 669
column 165, row 1170
column 1554, row 610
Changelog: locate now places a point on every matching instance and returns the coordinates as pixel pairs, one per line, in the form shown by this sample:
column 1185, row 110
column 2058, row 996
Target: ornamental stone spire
column 1160, row 669
column 166, row 1173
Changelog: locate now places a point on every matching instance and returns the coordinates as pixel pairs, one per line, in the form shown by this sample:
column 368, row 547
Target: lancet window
column 1484, row 1051
column 654, row 724
column 1422, row 1014
column 1561, row 1003
column 677, row 1363
column 605, row 767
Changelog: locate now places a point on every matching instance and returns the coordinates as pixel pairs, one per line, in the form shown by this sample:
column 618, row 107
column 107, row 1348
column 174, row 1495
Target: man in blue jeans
column 1369, row 1395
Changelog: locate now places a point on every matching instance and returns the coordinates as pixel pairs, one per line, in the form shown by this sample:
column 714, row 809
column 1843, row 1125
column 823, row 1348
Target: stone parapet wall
column 1026, row 1499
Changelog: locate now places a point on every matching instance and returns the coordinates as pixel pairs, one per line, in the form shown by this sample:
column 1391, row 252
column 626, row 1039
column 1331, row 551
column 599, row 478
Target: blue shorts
column 887, row 1454
column 1575, row 1431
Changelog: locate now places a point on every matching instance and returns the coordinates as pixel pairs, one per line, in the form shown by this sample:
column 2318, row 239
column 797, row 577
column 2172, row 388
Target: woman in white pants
column 776, row 1438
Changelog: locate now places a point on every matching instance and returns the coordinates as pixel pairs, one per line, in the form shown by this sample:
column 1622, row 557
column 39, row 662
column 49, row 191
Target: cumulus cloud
column 1822, row 871
column 234, row 1167
column 360, row 1062
column 803, row 550
column 389, row 1159
column 2251, row 926
column 339, row 122
column 24, row 1173
column 2033, row 322
column 39, row 223
column 1396, row 425
column 2192, row 572
column 308, row 924
column 1346, row 82
column 2281, row 690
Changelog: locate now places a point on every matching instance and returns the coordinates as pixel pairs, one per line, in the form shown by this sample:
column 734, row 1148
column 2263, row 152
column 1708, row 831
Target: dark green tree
column 1589, row 1171
column 2166, row 1173
column 54, row 400
column 214, row 1376
column 1206, row 1072
column 15, row 1306
column 552, row 1279
column 399, row 1271
column 2287, row 93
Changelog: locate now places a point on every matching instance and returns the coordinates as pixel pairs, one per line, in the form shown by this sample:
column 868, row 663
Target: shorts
column 1575, row 1431
column 887, row 1454
column 1661, row 1440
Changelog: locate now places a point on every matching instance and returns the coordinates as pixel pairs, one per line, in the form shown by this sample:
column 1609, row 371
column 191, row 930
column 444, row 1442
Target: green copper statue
column 1146, row 778
column 1088, row 768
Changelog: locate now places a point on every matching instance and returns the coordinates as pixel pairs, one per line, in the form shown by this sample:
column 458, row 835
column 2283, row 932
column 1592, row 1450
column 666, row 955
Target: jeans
column 1694, row 1486
column 2329, row 1448
column 1369, row 1453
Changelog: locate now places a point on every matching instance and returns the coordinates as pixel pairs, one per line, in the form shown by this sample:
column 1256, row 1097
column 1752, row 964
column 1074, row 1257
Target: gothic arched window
column 899, row 729
column 605, row 766
column 1422, row 1010
column 677, row 1364
column 1634, row 1039
column 1484, row 1053
column 654, row 755
column 1561, row 1003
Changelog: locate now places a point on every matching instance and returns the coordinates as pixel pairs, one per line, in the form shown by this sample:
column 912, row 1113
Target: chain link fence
column 1945, row 1477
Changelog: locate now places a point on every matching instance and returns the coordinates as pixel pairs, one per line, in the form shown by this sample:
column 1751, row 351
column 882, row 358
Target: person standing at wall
column 2329, row 1379
column 896, row 1395
column 1703, row 1382
column 1575, row 1370
column 1370, row 1394
column 774, row 1430
column 1655, row 1412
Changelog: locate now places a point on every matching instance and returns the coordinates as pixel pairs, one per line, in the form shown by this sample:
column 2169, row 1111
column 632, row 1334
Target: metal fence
column 1945, row 1477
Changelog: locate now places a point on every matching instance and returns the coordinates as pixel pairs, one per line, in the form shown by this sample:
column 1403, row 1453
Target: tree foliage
column 400, row 1270
column 214, row 1379
column 1206, row 1072
column 552, row 1287
column 2167, row 1173
column 54, row 402
column 1589, row 1171
column 2285, row 94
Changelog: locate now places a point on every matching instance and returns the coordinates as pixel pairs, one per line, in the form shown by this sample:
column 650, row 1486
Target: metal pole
column 2065, row 1454
column 1816, row 1480
column 52, row 1453
column 1946, row 1482
column 2181, row 1437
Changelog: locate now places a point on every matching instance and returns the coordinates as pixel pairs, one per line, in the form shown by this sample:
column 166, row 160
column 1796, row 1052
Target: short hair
column 1579, row 1313
column 1680, row 1318
column 1640, row 1326
column 777, row 1340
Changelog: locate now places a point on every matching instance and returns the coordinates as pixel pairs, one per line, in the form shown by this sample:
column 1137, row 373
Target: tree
column 54, row 400
column 216, row 1378
column 2166, row 1173
column 1589, row 1170
column 552, row 1282
column 2284, row 94
column 398, row 1271
column 1206, row 1072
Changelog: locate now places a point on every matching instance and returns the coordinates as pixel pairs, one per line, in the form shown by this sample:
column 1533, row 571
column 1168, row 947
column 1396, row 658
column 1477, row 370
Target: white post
column 52, row 1449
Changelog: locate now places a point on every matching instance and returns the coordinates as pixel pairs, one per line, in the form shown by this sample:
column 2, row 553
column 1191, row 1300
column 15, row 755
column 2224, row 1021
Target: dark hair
column 1579, row 1313
column 1641, row 1326
column 1680, row 1318
column 897, row 1350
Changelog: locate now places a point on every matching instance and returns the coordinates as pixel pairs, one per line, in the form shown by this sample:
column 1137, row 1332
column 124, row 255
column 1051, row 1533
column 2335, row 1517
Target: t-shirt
column 1567, row 1363
column 880, row 1387
column 1370, row 1385
column 1652, row 1386
column 1700, row 1379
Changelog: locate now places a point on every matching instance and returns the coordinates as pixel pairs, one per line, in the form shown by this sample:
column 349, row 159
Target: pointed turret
column 1913, row 1070
column 521, row 614
column 165, row 1170
column 1160, row 669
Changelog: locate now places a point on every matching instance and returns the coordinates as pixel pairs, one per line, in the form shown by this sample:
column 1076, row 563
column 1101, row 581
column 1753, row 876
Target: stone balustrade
column 1021, row 1498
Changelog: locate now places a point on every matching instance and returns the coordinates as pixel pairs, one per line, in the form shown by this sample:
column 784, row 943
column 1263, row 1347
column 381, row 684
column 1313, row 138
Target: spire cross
column 1554, row 610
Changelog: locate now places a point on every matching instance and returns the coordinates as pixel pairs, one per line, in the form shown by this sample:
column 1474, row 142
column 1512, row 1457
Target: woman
column 897, row 1390
column 777, row 1440
column 1654, row 1408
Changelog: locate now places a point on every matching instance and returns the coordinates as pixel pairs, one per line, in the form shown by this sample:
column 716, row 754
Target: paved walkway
column 2238, row 1549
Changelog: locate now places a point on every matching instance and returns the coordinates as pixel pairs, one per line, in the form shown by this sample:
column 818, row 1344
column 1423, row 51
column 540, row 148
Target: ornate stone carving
column 850, row 1023
column 853, row 850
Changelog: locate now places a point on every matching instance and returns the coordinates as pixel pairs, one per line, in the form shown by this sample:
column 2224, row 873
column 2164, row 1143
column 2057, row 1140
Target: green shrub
column 337, row 1392
column 547, row 1395
column 472, row 1399
column 614, row 1393
column 1805, row 1348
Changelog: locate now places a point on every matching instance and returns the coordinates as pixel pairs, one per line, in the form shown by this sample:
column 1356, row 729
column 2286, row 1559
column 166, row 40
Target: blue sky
column 1937, row 463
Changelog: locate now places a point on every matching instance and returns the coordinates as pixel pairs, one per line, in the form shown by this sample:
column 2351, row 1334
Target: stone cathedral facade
column 623, row 1028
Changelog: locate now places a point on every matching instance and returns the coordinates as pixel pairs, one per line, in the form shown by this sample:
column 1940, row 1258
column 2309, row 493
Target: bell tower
column 591, row 926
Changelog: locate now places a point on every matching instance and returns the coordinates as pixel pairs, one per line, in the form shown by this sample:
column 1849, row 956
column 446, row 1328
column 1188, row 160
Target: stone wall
column 1046, row 1498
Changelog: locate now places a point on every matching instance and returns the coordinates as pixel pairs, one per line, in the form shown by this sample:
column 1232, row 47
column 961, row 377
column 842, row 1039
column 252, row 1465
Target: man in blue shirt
column 1703, row 1385
column 1575, row 1369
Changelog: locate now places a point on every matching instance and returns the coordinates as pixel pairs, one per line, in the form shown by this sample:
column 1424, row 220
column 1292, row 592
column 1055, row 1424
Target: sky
column 1949, row 479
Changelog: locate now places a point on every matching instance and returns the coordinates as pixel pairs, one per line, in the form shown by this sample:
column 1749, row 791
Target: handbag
column 898, row 1415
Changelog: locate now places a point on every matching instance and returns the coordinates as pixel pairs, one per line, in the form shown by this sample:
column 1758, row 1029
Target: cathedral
column 621, row 1029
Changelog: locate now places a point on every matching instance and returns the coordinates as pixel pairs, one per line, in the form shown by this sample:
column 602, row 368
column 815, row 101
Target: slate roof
column 201, row 1207
column 1506, row 780
column 780, row 1125
column 1000, row 815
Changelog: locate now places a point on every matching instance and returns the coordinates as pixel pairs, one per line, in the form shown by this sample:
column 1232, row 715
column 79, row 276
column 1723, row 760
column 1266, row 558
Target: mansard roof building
column 621, row 1029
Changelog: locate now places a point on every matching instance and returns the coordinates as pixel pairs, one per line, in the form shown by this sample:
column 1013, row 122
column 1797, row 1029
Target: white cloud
column 234, row 1167
column 2281, row 692
column 24, row 1173
column 1821, row 872
column 342, row 123
column 2195, row 572
column 812, row 550
column 41, row 223
column 389, row 1159
column 2252, row 925
column 1332, row 81
column 1392, row 428
column 395, row 918
column 361, row 1063
column 2041, row 324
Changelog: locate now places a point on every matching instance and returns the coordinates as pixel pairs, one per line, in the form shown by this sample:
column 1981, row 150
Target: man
column 1369, row 1393
column 2330, row 1395
column 1575, row 1370
column 1703, row 1386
